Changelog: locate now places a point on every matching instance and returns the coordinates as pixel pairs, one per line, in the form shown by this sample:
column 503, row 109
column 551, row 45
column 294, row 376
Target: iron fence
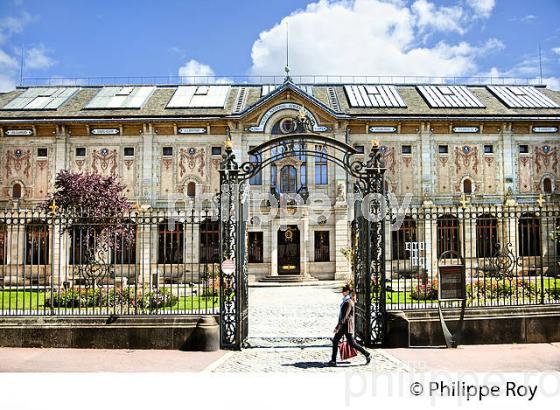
column 509, row 254
column 53, row 265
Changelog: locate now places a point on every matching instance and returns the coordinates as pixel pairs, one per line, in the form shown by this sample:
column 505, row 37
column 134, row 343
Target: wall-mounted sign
column 545, row 129
column 191, row 130
column 17, row 133
column 105, row 131
column 377, row 130
column 467, row 130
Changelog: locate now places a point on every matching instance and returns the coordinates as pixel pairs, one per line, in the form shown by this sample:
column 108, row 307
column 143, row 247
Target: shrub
column 128, row 297
column 553, row 293
column 425, row 292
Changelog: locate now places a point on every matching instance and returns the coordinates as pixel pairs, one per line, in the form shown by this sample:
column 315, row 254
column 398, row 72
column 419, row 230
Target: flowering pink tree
column 92, row 209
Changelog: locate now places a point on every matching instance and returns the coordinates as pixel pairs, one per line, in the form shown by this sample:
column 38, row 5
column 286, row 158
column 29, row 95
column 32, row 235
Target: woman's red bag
column 346, row 351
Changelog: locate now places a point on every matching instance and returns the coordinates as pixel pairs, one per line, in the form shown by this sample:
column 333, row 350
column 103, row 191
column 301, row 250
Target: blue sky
column 364, row 37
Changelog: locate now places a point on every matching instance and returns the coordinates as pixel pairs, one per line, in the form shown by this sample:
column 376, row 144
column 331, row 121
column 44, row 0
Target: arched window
column 257, row 178
column 486, row 236
column 37, row 243
column 448, row 234
column 288, row 179
column 124, row 252
column 529, row 235
column 170, row 242
column 406, row 233
column 191, row 189
column 467, row 186
column 3, row 244
column 209, row 242
column 16, row 191
column 547, row 185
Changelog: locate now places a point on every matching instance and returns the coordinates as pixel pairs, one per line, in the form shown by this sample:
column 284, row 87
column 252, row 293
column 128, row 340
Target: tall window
column 448, row 234
column 406, row 233
column 82, row 245
column 191, row 189
column 3, row 244
column 321, row 170
column 288, row 178
column 37, row 243
column 125, row 253
column 170, row 242
column 467, row 186
column 529, row 235
column 257, row 178
column 209, row 242
column 322, row 248
column 255, row 247
column 547, row 186
column 486, row 236
column 273, row 175
column 16, row 191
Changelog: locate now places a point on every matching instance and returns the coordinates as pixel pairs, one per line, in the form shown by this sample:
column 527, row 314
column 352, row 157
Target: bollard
column 207, row 334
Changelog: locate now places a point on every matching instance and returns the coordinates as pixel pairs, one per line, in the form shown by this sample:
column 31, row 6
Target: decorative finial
column 374, row 144
column 287, row 67
column 464, row 201
column 53, row 208
column 541, row 200
column 228, row 144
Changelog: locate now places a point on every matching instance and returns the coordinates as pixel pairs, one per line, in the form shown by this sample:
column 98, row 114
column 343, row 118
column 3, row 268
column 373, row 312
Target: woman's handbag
column 346, row 351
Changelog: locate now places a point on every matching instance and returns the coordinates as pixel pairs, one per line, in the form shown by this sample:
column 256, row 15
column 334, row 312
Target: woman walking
column 345, row 326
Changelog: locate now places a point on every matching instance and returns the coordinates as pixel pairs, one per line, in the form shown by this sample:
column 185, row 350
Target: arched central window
column 170, row 244
column 467, row 186
column 16, row 191
column 547, row 185
column 288, row 179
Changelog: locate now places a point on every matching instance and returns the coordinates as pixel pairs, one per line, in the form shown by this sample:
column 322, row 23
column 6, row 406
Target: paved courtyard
column 290, row 329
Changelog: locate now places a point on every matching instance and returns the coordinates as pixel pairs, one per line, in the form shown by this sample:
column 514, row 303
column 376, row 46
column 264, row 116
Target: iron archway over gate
column 368, row 262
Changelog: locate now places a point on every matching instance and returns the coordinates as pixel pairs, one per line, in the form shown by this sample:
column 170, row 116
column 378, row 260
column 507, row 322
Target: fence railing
column 510, row 255
column 274, row 79
column 51, row 265
column 60, row 266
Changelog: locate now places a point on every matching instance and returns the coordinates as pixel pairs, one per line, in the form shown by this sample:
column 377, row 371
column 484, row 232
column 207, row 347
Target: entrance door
column 288, row 251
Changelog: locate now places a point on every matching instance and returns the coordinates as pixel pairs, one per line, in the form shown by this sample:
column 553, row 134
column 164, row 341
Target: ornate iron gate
column 369, row 268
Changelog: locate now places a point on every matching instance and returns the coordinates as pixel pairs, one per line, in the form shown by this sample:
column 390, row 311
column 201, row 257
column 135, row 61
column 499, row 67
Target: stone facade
column 157, row 160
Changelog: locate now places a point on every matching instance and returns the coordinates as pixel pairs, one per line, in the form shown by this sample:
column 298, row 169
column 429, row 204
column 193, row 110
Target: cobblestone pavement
column 290, row 330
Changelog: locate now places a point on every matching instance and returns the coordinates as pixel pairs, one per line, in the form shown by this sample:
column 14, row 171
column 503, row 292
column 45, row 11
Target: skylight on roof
column 41, row 98
column 522, row 97
column 449, row 96
column 385, row 96
column 120, row 97
column 192, row 96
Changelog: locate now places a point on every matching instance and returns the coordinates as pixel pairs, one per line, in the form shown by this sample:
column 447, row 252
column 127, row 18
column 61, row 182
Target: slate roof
column 155, row 106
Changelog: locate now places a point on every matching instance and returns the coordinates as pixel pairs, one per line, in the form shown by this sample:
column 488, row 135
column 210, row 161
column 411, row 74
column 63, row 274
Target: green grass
column 12, row 299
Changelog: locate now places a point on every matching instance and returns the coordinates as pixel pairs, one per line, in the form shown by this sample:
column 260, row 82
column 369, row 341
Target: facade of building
column 441, row 143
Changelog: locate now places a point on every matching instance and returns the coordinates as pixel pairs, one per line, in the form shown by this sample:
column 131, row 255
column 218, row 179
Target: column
column 341, row 240
column 426, row 158
column 508, row 152
column 304, row 241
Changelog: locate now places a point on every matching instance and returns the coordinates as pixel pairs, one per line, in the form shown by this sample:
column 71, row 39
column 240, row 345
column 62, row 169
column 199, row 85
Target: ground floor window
column 170, row 244
column 124, row 253
column 486, row 236
column 405, row 234
column 448, row 234
column 82, row 245
column 322, row 247
column 209, row 242
column 3, row 244
column 37, row 243
column 255, row 247
column 529, row 235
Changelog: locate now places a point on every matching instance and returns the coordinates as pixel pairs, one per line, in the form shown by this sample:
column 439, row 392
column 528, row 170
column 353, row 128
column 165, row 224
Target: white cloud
column 366, row 38
column 556, row 50
column 482, row 8
column 429, row 16
column 196, row 72
column 529, row 18
column 37, row 58
column 193, row 68
column 10, row 25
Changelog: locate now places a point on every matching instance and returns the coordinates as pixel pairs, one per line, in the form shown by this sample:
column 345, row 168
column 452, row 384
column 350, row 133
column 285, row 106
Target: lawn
column 29, row 300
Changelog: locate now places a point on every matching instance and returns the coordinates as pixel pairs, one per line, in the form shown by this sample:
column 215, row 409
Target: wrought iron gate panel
column 241, row 261
column 361, row 274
